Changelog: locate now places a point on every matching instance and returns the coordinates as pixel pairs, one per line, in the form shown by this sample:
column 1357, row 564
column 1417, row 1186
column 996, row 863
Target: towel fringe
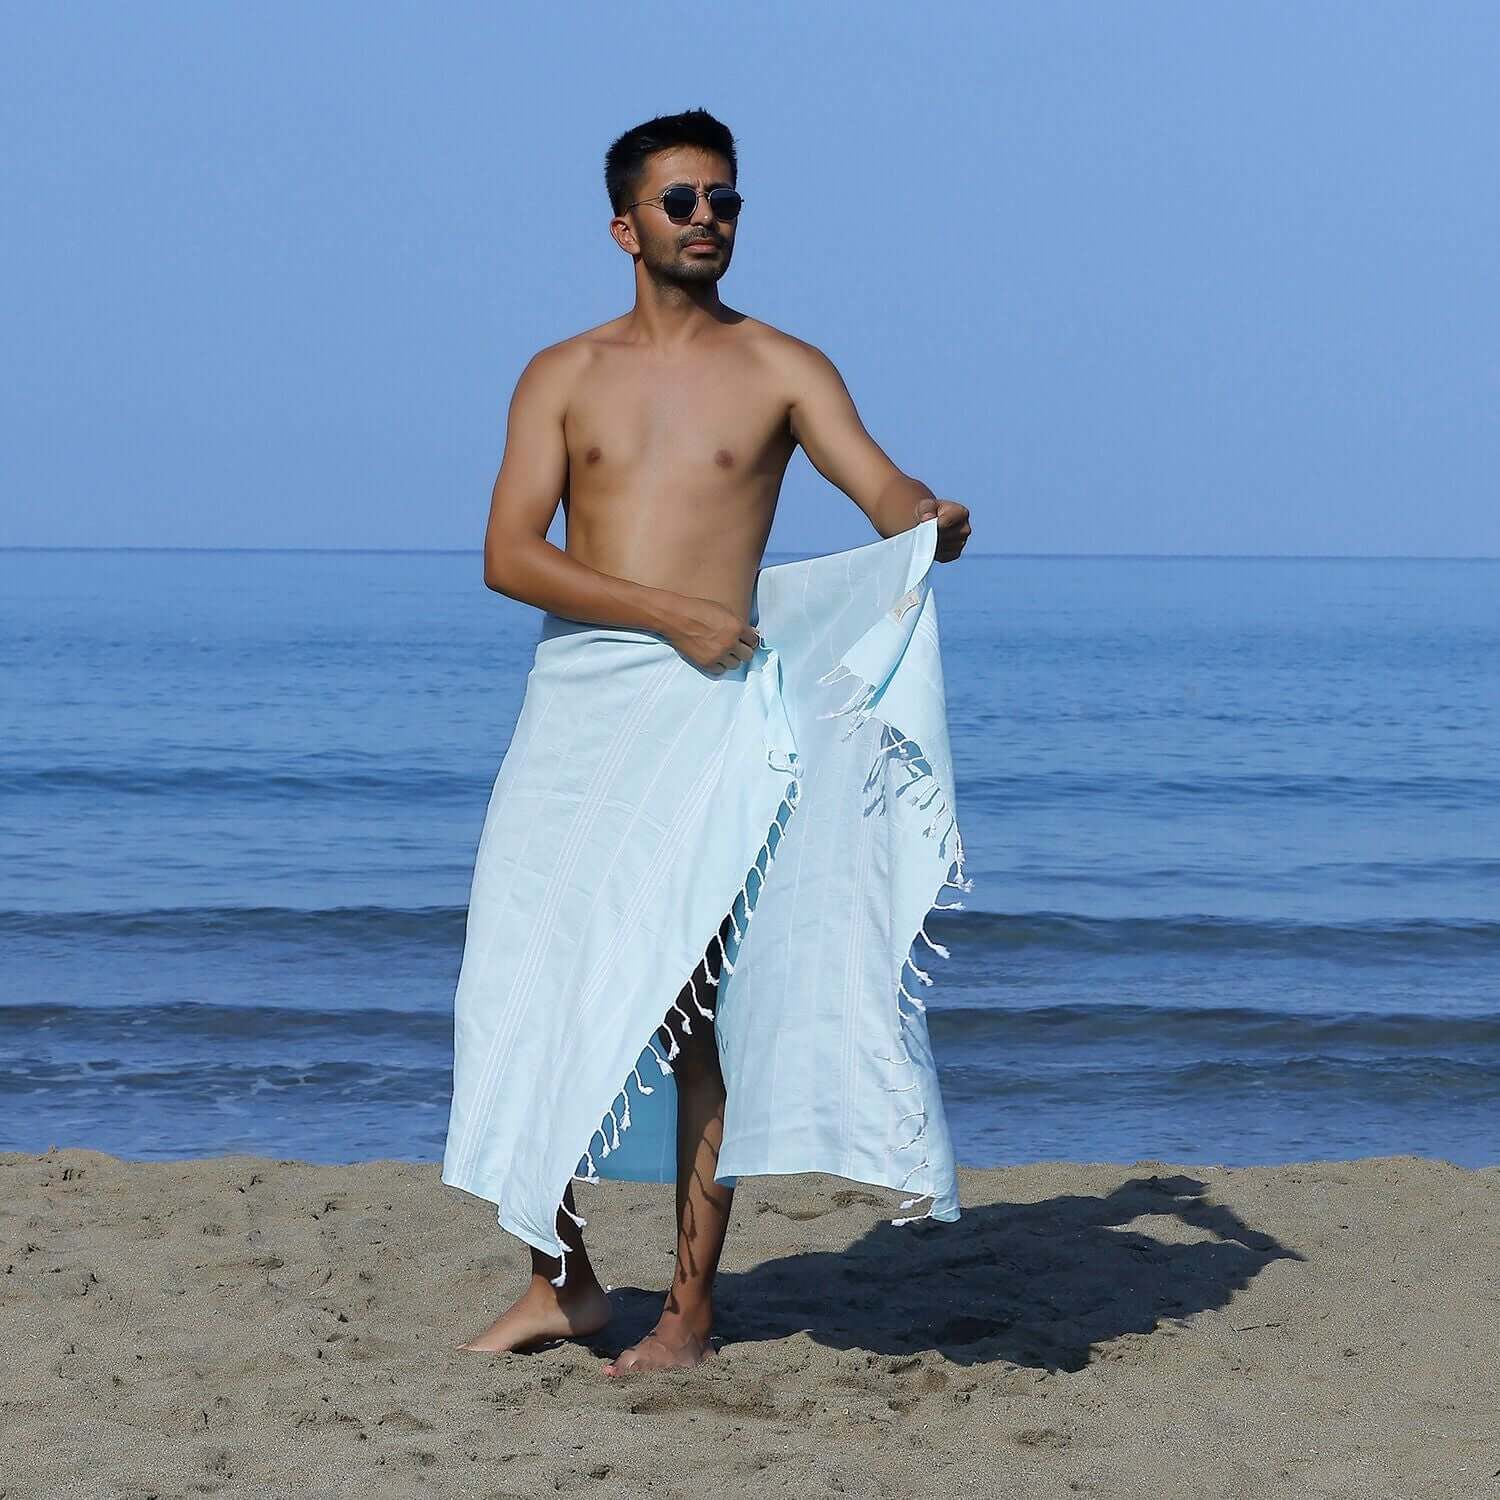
column 923, row 1163
column 703, row 1010
column 862, row 696
column 924, row 793
column 725, row 966
column 768, row 847
column 912, row 1218
column 937, row 948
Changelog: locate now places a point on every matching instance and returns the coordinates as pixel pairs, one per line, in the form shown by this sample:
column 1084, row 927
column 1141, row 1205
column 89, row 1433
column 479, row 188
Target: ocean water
column 1234, row 828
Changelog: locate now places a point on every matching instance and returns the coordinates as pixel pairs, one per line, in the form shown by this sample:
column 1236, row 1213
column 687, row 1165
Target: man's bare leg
column 680, row 1336
column 543, row 1311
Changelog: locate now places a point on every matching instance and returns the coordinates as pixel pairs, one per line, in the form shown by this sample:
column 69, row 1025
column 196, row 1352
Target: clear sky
column 1190, row 277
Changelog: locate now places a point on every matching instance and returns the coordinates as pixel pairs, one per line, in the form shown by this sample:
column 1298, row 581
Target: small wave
column 271, row 782
column 976, row 935
column 1317, row 1080
column 1115, row 790
column 1224, row 1028
column 981, row 932
column 333, row 1079
column 178, row 1019
column 216, row 925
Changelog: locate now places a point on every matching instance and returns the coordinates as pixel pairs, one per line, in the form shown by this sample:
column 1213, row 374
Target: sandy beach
column 245, row 1326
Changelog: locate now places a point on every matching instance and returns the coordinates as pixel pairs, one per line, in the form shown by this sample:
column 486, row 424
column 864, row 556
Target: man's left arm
column 827, row 425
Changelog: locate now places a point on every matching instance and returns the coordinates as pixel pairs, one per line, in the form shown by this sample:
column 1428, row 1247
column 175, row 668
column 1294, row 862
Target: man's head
column 692, row 148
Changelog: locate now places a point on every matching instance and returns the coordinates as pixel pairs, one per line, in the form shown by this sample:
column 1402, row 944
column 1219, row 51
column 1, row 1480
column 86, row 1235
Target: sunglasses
column 680, row 201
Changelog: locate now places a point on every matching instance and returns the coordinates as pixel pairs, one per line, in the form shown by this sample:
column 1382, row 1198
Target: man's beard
column 682, row 269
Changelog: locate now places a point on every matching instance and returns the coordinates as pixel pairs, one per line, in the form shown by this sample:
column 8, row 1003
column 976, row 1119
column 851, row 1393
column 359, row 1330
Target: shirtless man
column 665, row 434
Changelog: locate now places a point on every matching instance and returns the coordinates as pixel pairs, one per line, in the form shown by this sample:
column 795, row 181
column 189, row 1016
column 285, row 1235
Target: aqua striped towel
column 809, row 792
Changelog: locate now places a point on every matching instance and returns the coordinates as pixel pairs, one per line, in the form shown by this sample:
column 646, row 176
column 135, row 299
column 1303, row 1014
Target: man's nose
column 702, row 213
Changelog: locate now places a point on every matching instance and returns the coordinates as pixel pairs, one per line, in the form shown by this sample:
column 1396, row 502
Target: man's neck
column 667, row 313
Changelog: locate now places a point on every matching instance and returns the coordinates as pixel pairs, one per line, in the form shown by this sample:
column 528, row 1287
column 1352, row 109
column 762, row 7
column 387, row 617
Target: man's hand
column 952, row 525
column 708, row 635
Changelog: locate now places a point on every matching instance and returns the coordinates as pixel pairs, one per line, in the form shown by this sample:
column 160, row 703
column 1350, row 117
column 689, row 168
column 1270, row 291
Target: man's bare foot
column 671, row 1345
column 542, row 1313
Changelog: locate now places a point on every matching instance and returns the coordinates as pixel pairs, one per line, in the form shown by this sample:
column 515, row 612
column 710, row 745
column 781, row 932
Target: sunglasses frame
column 701, row 193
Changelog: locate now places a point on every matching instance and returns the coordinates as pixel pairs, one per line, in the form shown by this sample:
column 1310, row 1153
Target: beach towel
column 807, row 794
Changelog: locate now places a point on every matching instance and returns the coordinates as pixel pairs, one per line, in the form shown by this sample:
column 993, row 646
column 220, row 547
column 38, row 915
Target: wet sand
column 246, row 1326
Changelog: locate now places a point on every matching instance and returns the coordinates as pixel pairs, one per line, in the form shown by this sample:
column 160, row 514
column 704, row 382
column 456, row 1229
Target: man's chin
column 695, row 275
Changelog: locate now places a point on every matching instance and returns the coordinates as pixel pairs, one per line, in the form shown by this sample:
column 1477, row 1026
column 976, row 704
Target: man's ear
column 624, row 235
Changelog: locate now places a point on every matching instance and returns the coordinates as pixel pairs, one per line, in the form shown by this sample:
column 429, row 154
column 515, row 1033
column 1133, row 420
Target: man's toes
column 658, row 1356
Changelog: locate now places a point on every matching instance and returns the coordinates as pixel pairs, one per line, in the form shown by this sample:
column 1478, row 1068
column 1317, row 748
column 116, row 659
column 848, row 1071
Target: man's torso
column 675, row 461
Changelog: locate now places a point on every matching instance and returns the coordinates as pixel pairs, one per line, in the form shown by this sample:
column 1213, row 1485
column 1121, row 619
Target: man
column 665, row 434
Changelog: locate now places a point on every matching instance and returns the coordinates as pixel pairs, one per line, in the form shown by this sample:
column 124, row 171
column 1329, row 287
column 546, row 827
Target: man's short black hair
column 625, row 160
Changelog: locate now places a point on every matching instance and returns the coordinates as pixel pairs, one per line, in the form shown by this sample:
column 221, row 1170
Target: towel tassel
column 937, row 948
column 923, row 1163
column 703, row 1010
column 912, row 1218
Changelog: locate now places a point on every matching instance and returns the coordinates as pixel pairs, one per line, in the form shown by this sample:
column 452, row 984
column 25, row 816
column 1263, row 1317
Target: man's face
column 697, row 250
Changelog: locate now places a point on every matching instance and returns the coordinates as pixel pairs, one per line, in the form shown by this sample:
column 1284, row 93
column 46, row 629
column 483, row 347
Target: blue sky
column 1121, row 278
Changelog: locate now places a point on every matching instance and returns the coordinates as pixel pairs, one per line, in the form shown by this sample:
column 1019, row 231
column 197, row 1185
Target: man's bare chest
column 724, row 419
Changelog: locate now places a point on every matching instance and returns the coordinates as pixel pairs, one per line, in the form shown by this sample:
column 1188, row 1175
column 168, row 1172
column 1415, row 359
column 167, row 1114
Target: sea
column 1233, row 825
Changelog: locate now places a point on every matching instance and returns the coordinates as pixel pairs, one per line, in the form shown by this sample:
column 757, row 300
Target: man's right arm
column 519, row 561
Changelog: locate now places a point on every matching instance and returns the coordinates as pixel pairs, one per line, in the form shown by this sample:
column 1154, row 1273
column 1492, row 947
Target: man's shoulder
column 791, row 358
column 575, row 350
column 776, row 341
column 554, row 370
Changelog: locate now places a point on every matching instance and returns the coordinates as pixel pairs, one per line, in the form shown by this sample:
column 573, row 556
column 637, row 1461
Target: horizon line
column 1040, row 556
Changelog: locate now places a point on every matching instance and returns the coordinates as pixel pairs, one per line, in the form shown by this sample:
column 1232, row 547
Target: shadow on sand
column 1036, row 1284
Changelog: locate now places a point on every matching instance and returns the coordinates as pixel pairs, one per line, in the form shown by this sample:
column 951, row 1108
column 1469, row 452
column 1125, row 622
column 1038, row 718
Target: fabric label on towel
column 907, row 602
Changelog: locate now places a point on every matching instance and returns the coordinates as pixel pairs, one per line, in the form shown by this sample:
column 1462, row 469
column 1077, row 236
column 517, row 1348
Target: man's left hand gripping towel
column 808, row 794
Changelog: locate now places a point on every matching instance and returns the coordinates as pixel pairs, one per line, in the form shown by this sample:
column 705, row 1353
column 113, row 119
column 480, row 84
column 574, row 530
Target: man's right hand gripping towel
column 809, row 794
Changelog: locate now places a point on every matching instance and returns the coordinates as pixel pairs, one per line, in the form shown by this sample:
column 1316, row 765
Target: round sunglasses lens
column 679, row 202
column 725, row 203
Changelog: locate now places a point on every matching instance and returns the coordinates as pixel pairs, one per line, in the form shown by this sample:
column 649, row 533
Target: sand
column 246, row 1326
